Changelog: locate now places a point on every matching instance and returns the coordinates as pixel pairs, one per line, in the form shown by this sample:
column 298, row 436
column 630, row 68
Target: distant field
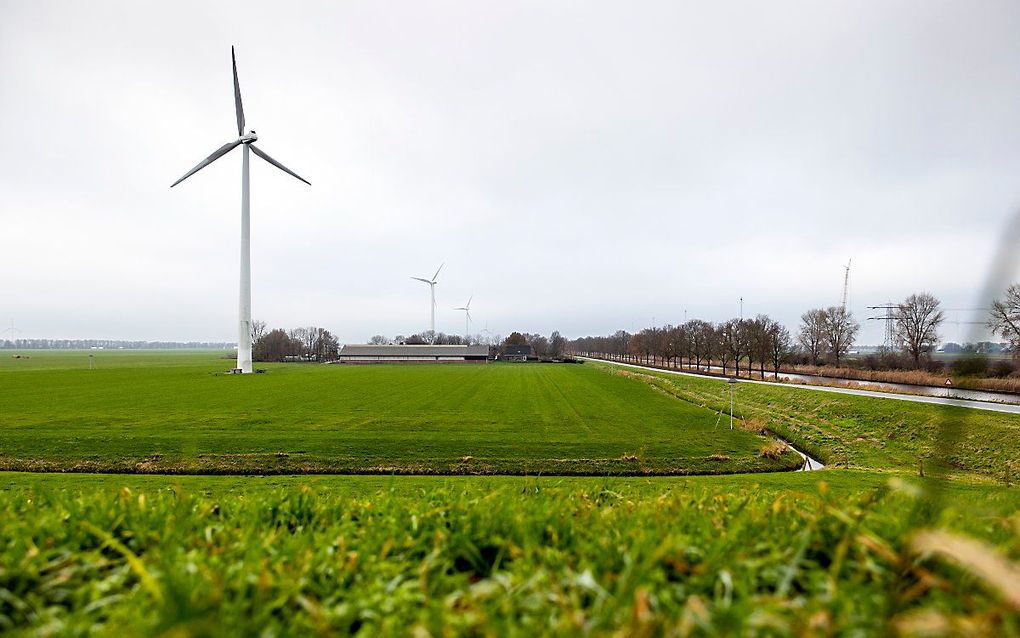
column 176, row 412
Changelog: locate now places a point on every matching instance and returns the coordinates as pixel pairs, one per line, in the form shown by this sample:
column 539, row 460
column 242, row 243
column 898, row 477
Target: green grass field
column 177, row 412
column 864, row 548
column 776, row 555
column 860, row 432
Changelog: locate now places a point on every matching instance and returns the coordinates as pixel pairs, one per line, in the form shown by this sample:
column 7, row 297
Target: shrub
column 1002, row 368
column 971, row 366
column 754, row 425
column 772, row 450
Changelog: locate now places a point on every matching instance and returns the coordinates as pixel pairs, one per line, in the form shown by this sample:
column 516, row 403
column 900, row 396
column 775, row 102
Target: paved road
column 960, row 403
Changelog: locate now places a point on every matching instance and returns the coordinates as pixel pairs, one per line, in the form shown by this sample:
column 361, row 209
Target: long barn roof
column 416, row 350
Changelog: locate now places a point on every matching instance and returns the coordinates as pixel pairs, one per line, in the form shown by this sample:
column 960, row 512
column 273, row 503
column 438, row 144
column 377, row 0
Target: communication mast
column 846, row 283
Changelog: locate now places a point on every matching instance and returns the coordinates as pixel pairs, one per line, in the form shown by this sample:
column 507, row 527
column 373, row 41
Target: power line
column 889, row 317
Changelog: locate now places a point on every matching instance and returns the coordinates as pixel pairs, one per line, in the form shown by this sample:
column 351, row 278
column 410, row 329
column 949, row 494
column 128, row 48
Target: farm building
column 413, row 354
column 517, row 353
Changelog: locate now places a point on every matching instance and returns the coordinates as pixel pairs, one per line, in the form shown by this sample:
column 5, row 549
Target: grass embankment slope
column 859, row 432
column 776, row 555
column 177, row 413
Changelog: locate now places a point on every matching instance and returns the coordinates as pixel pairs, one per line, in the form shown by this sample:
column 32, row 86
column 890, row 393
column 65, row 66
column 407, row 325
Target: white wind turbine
column 432, row 291
column 14, row 332
column 467, row 316
column 245, row 140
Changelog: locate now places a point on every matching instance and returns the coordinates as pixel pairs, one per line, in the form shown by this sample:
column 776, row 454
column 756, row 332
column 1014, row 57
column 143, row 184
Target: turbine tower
column 432, row 293
column 246, row 141
column 467, row 316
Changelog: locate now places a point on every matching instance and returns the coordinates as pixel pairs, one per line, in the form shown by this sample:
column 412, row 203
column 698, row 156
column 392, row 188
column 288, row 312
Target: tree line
column 300, row 344
column 553, row 346
column 427, row 337
column 700, row 345
column 112, row 344
column 824, row 335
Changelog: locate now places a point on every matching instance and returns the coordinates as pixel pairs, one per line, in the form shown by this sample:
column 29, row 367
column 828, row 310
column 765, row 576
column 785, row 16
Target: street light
column 732, row 381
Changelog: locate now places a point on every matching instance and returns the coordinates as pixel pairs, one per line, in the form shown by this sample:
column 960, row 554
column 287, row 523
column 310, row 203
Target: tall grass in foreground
column 516, row 559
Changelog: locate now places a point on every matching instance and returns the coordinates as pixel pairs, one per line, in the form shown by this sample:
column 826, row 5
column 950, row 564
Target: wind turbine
column 467, row 316
column 246, row 141
column 432, row 290
column 14, row 332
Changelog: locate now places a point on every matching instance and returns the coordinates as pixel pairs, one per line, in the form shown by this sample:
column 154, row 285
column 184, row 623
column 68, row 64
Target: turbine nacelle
column 249, row 138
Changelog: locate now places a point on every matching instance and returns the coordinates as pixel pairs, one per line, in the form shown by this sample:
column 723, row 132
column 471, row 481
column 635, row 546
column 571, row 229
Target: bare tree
column 840, row 331
column 539, row 344
column 722, row 344
column 557, row 344
column 1004, row 317
column 311, row 333
column 813, row 334
column 258, row 330
column 275, row 345
column 759, row 341
column 709, row 343
column 327, row 346
column 917, row 325
column 300, row 336
column 673, row 345
column 698, row 334
column 378, row 340
column 736, row 335
column 780, row 345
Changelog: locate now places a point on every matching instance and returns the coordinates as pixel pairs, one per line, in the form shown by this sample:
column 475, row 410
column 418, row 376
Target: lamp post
column 732, row 381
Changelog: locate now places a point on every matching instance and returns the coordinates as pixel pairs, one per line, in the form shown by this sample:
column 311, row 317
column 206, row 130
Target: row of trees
column 824, row 335
column 827, row 332
column 307, row 344
column 552, row 347
column 427, row 337
column 701, row 345
column 110, row 344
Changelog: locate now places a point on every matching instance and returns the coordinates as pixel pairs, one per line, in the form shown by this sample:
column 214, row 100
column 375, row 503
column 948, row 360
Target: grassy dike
column 855, row 431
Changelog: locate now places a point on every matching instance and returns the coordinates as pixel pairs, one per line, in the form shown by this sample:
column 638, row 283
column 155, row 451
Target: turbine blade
column 218, row 153
column 426, row 281
column 237, row 95
column 262, row 154
column 468, row 307
column 437, row 271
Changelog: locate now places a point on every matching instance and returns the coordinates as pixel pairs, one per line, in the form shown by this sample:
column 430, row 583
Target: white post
column 432, row 324
column 731, row 406
column 244, row 306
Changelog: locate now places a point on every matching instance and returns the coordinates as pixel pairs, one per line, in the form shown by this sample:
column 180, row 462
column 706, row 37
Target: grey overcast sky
column 579, row 166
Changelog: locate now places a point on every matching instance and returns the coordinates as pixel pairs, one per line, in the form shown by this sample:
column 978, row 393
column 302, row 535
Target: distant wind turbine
column 245, row 140
column 467, row 316
column 14, row 332
column 432, row 290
